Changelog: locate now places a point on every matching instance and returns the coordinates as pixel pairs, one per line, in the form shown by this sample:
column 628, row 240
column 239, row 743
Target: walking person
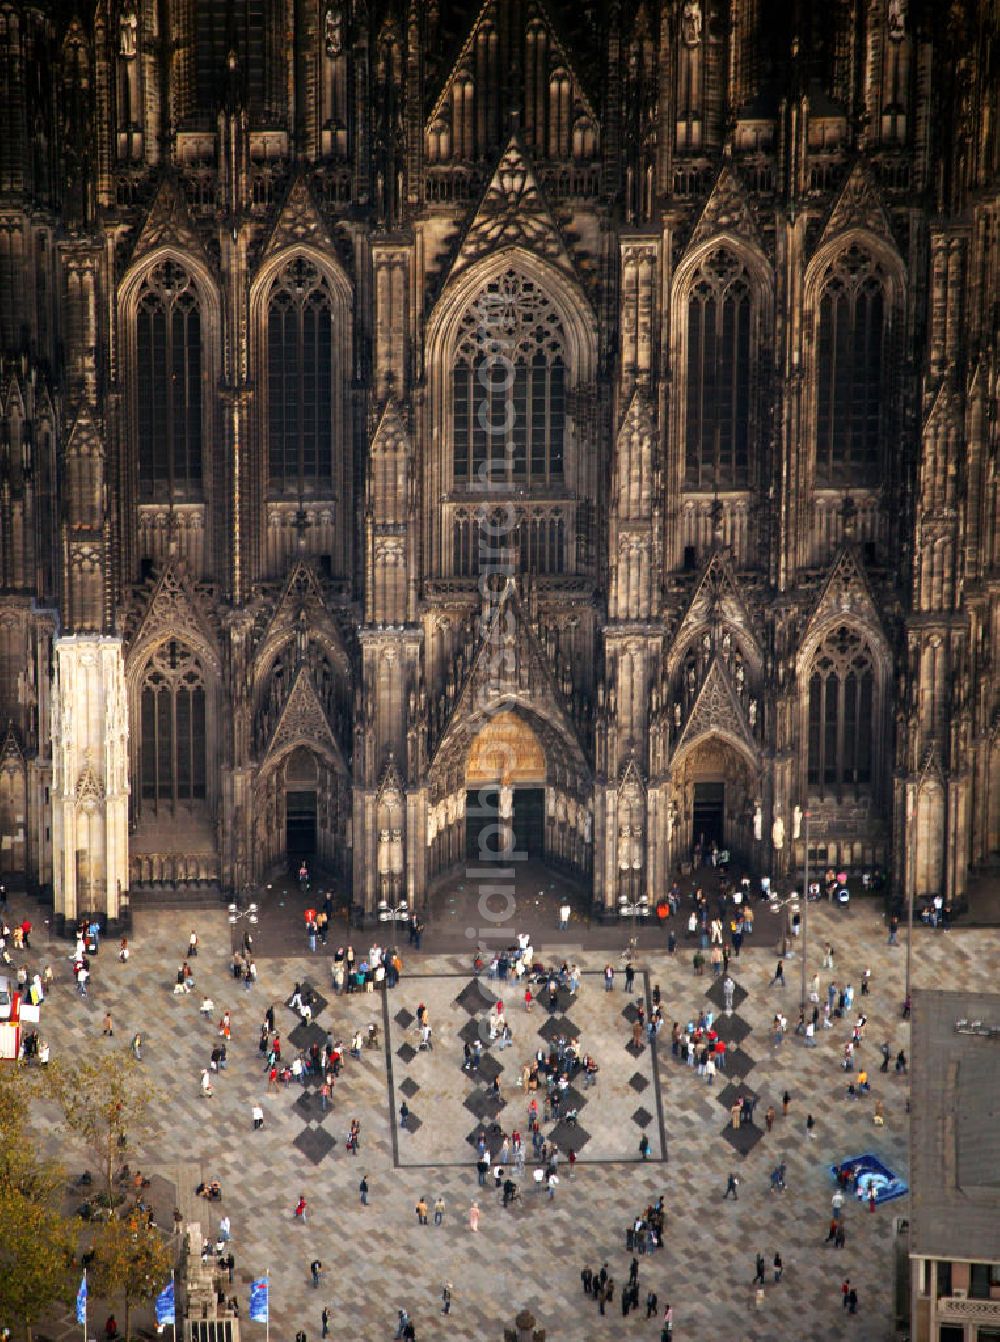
column 363, row 1190
column 731, row 1186
column 315, row 1267
column 439, row 1210
column 779, row 975
column 325, row 1321
column 474, row 1217
column 446, row 1298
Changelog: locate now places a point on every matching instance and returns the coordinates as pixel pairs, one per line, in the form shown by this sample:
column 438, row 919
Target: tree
column 21, row 1167
column 131, row 1262
column 105, row 1102
column 37, row 1245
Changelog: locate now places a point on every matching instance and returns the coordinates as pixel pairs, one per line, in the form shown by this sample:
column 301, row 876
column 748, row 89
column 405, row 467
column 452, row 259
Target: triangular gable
column 304, row 723
column 558, row 57
column 174, row 611
column 857, row 206
column 844, row 594
column 632, row 783
column 510, row 665
column 717, row 711
column 299, row 221
column 390, row 789
column 634, row 477
column 946, row 409
column 302, row 598
column 727, row 210
column 391, row 434
column 931, row 770
column 715, row 600
column 169, row 222
column 10, row 750
column 84, row 439
column 513, row 213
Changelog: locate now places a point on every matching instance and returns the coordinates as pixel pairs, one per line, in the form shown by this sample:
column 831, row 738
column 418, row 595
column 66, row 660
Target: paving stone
column 733, row 1029
column 733, row 1092
column 638, row 1082
column 642, row 1117
column 475, row 1029
column 406, row 1052
column 569, row 1136
column 631, row 1013
column 304, row 1036
column 489, row 1069
column 717, row 996
column 474, row 998
column 558, row 1027
column 411, row 1123
column 409, row 1087
column 744, row 1138
column 404, row 1018
column 739, row 1063
column 315, row 1144
column 309, row 1106
column 485, row 1104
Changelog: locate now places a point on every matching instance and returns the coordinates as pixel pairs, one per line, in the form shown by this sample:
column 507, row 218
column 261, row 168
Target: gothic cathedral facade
column 591, row 402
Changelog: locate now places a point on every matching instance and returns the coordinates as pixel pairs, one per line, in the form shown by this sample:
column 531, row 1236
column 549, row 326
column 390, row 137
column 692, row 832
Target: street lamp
column 798, row 815
column 236, row 915
column 776, row 905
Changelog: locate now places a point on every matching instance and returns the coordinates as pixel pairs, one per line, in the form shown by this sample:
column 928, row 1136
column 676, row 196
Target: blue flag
column 258, row 1300
column 81, row 1301
column 165, row 1304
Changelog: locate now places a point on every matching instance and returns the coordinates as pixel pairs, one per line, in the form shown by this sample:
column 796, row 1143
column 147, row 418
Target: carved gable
column 390, row 789
column 391, row 436
column 510, row 667
column 84, row 439
column 174, row 611
column 845, row 595
column 857, row 206
column 727, row 210
column 11, row 755
column 715, row 601
column 513, row 213
column 302, row 604
column 299, row 221
column 303, row 723
column 169, row 222
column 717, row 711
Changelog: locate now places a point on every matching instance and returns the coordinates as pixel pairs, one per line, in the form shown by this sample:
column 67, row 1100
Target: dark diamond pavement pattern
column 716, row 995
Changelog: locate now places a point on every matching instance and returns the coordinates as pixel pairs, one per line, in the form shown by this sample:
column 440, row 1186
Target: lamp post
column 236, row 915
column 805, row 911
column 776, row 905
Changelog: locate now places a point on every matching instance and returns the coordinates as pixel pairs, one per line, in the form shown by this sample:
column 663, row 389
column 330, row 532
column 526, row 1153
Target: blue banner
column 165, row 1304
column 258, row 1300
column 81, row 1301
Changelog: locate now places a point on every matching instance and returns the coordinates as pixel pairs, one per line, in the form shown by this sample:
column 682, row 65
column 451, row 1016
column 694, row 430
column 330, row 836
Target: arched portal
column 301, row 809
column 301, row 780
column 715, row 788
column 505, row 780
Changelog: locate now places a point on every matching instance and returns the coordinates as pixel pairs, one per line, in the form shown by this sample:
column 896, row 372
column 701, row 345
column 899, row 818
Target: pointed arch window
column 850, row 371
column 841, row 712
column 221, row 26
column 169, row 386
column 509, row 389
column 300, row 380
column 172, row 725
column 717, row 427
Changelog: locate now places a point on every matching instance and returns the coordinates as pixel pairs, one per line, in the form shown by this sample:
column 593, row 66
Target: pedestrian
column 527, row 999
column 421, row 1210
column 474, row 1217
column 258, row 1118
column 901, row 1062
column 779, row 1267
column 786, row 1100
column 779, row 975
column 315, row 1267
column 446, row 1298
column 852, row 1301
column 108, row 1027
column 769, row 1117
column 761, row 1268
column 810, row 1124
column 650, row 1304
column 439, row 1210
column 325, row 1320
column 845, row 1291
column 192, row 945
column 629, row 977
column 137, row 1047
column 363, row 1190
column 300, row 1209
column 731, row 1186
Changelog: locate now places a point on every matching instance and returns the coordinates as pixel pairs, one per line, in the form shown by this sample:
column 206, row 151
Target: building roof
column 954, row 1128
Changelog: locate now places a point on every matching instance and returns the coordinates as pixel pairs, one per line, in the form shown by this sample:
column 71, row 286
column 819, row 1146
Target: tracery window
column 230, row 25
column 509, row 389
column 537, row 542
column 717, row 430
column 173, row 746
column 850, row 371
column 169, row 393
column 300, row 379
column 841, row 696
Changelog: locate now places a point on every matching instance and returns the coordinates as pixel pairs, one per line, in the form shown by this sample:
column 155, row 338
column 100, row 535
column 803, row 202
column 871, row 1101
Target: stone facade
column 717, row 543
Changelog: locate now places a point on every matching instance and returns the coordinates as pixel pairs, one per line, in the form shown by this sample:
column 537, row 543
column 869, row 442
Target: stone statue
column 897, row 20
column 128, row 28
column 778, row 833
column 506, row 801
column 333, row 30
column 672, row 817
column 758, row 822
column 677, row 713
column 752, row 714
column 691, row 24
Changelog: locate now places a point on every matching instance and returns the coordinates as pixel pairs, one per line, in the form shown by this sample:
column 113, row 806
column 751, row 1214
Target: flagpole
column 267, row 1321
column 174, row 1293
column 86, row 1302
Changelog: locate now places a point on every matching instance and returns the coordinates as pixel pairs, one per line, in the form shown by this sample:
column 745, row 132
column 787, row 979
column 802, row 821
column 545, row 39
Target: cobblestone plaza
column 378, row 1258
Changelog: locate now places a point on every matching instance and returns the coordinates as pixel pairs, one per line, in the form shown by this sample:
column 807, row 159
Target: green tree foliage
column 37, row 1245
column 132, row 1261
column 105, row 1102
